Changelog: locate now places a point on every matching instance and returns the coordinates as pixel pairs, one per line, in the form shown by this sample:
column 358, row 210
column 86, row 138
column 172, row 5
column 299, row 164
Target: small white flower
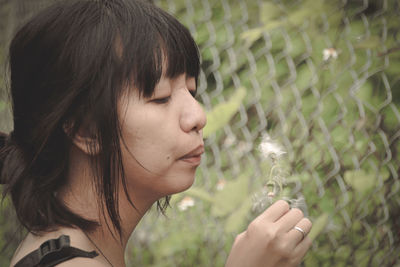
column 328, row 53
column 185, row 203
column 270, row 149
column 221, row 184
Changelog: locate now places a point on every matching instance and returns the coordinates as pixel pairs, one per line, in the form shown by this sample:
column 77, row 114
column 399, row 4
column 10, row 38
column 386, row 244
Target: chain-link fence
column 321, row 78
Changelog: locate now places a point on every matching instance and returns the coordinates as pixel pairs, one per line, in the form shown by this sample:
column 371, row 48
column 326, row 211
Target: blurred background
column 317, row 79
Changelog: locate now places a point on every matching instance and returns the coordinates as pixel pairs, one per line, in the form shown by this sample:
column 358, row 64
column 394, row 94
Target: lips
column 194, row 156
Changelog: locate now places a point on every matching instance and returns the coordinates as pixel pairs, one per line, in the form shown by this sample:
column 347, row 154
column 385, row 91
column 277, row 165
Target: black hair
column 69, row 65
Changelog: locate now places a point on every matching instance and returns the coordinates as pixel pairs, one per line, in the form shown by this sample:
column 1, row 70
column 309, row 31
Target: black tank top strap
column 53, row 252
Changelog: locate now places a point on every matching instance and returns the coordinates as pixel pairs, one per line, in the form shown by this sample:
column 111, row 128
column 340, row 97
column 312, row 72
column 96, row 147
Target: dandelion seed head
column 276, row 180
column 270, row 149
column 298, row 203
column 263, row 199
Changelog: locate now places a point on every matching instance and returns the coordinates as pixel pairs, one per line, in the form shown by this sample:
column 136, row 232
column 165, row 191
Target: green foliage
column 227, row 200
column 339, row 157
column 339, row 118
column 340, row 115
column 221, row 114
column 361, row 181
column 318, row 225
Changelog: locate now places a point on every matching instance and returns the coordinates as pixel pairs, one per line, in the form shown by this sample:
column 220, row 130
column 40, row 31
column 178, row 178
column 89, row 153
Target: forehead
column 180, row 80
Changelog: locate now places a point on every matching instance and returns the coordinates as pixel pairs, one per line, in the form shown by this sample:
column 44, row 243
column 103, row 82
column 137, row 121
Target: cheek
column 149, row 147
column 151, row 162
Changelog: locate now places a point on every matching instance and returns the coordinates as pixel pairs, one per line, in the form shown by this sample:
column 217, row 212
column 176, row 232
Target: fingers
column 271, row 238
column 290, row 219
column 286, row 220
column 302, row 248
column 275, row 211
column 296, row 235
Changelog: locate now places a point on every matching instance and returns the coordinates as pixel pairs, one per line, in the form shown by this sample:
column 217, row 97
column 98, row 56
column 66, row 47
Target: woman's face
column 162, row 138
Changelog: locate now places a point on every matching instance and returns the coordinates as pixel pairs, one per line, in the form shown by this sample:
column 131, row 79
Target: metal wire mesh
column 321, row 121
column 326, row 85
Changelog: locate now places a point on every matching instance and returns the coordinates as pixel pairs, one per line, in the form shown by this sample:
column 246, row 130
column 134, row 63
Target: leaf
column 360, row 180
column 305, row 77
column 327, row 204
column 269, row 11
column 362, row 257
column 232, row 196
column 369, row 43
column 393, row 68
column 309, row 10
column 200, row 194
column 252, row 35
column 175, row 242
column 318, row 226
column 222, row 113
column 273, row 24
column 238, row 217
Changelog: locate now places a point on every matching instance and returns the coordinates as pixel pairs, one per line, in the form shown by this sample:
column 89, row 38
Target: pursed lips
column 194, row 155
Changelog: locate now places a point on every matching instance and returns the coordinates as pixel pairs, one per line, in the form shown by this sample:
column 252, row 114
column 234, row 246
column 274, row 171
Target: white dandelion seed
column 270, row 149
column 273, row 185
column 299, row 203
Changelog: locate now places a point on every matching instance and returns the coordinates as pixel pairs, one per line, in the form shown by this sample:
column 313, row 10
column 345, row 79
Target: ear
column 83, row 139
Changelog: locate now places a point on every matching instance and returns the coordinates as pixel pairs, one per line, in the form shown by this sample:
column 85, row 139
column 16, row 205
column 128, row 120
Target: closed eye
column 163, row 100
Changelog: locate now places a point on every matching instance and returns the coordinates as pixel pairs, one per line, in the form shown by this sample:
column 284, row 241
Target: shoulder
column 33, row 242
column 83, row 262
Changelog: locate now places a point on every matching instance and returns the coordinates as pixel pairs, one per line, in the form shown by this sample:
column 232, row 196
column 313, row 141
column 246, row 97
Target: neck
column 80, row 196
column 108, row 240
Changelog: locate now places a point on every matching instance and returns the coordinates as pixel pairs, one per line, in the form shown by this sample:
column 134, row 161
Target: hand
column 271, row 240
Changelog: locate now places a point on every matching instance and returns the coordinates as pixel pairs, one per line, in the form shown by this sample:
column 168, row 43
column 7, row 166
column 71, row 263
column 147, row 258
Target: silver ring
column 301, row 231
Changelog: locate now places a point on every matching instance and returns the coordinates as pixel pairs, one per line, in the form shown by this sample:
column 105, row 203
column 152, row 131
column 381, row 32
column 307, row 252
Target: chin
column 181, row 184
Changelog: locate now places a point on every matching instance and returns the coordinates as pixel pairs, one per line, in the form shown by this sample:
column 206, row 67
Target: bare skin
column 161, row 133
column 270, row 239
column 78, row 196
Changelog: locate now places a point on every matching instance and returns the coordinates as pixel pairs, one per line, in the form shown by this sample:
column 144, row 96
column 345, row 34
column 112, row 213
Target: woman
column 105, row 125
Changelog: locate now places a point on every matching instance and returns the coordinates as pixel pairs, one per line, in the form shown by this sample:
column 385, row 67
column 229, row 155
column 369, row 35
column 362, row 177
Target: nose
column 193, row 118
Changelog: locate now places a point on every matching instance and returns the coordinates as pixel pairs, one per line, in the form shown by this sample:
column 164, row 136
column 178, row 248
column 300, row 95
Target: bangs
column 156, row 41
column 69, row 66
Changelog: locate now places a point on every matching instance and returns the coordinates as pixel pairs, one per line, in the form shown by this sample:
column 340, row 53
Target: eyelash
column 165, row 100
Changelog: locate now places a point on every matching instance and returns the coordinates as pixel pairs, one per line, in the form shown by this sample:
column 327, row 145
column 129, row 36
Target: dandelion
column 328, row 53
column 275, row 180
column 185, row 203
column 262, row 200
column 270, row 191
column 299, row 203
column 270, row 149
